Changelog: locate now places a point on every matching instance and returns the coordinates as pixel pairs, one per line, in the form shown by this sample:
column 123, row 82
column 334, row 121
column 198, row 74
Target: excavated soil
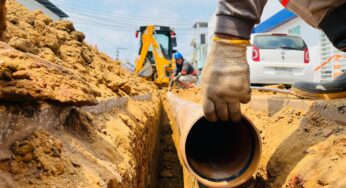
column 301, row 148
column 64, row 49
column 100, row 146
column 70, row 116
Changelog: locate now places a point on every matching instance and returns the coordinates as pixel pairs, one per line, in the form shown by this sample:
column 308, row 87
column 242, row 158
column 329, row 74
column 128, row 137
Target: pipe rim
column 253, row 167
column 241, row 171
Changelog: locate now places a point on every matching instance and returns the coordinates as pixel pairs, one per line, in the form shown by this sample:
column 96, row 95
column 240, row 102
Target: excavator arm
column 162, row 65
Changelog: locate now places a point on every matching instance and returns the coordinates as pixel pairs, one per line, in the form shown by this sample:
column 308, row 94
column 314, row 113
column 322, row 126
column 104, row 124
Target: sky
column 112, row 24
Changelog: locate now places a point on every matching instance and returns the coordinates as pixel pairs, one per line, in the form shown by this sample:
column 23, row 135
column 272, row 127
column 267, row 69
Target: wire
column 110, row 18
column 87, row 17
column 117, row 25
column 95, row 11
column 122, row 29
column 92, row 17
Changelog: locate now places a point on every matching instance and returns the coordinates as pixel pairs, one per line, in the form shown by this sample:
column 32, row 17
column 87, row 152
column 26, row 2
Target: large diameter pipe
column 221, row 154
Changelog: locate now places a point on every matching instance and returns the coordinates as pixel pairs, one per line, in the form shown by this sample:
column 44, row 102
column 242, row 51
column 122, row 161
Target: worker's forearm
column 237, row 18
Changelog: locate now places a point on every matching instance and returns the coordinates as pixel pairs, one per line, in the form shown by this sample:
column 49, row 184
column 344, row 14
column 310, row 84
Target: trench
column 170, row 173
column 310, row 131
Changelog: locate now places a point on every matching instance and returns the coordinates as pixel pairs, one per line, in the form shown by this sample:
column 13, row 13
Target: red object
column 284, row 2
column 255, row 54
column 172, row 34
column 296, row 181
column 137, row 33
column 306, row 56
column 183, row 72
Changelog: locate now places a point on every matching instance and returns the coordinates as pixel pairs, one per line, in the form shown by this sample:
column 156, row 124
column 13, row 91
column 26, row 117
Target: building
column 46, row 7
column 200, row 44
column 320, row 47
column 211, row 28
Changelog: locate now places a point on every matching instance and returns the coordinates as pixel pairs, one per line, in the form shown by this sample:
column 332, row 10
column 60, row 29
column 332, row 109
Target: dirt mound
column 39, row 152
column 112, row 144
column 48, row 65
column 302, row 147
column 59, row 43
column 25, row 77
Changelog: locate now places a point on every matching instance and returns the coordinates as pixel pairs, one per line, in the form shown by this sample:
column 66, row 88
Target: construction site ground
column 304, row 141
column 70, row 116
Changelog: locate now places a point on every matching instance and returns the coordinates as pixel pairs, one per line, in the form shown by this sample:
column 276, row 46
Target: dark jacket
column 185, row 69
column 238, row 17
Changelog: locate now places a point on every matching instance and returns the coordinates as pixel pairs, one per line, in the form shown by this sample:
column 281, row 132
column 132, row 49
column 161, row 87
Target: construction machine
column 155, row 60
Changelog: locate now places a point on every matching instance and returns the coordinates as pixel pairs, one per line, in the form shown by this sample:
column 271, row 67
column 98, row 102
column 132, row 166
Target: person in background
column 225, row 77
column 185, row 74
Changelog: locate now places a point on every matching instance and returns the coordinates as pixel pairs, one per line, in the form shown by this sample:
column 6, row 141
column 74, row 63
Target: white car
column 278, row 59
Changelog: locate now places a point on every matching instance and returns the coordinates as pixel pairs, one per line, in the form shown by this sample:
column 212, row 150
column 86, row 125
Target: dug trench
column 112, row 144
column 304, row 141
column 109, row 145
column 72, row 117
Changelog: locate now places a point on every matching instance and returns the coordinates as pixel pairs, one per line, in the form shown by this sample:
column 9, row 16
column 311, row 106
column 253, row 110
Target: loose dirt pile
column 25, row 77
column 47, row 72
column 109, row 145
column 65, row 49
column 301, row 148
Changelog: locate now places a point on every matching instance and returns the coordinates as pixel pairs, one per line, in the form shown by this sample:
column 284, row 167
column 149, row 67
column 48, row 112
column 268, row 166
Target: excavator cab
column 155, row 59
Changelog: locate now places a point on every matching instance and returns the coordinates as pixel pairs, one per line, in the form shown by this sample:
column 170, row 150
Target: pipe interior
column 220, row 151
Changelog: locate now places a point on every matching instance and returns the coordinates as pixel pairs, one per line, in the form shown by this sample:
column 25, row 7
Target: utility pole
column 117, row 52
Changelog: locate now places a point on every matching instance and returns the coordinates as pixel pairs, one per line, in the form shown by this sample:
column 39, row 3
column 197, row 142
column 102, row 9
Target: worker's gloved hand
column 175, row 78
column 225, row 81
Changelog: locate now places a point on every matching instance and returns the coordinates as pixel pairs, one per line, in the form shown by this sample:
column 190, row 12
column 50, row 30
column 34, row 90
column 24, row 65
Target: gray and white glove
column 225, row 82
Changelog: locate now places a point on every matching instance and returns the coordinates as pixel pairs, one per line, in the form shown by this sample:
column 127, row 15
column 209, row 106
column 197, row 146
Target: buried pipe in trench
column 221, row 154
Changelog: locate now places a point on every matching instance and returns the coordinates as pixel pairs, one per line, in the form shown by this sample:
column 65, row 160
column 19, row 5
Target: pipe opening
column 220, row 151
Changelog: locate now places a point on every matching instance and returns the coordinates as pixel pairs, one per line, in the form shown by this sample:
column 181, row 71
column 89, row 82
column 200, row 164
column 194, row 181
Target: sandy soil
column 301, row 148
column 61, row 45
column 111, row 147
column 47, row 139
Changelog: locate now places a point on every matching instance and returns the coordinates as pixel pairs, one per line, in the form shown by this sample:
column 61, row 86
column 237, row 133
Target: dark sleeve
column 176, row 71
column 238, row 17
column 335, row 28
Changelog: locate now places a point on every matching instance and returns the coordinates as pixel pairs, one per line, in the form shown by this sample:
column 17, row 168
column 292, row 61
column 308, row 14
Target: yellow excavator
column 155, row 60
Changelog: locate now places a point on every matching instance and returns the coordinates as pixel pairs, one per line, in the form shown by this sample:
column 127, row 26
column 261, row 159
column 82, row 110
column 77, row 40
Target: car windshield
column 279, row 42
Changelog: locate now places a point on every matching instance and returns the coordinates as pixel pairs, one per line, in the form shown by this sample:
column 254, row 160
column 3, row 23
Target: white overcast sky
column 111, row 24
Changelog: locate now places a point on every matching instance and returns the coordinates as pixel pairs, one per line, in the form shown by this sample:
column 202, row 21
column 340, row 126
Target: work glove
column 175, row 78
column 225, row 81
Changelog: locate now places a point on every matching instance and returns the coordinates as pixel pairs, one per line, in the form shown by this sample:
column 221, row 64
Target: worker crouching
column 185, row 75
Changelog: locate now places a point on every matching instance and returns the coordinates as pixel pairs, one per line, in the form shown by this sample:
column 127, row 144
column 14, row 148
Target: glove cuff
column 232, row 41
